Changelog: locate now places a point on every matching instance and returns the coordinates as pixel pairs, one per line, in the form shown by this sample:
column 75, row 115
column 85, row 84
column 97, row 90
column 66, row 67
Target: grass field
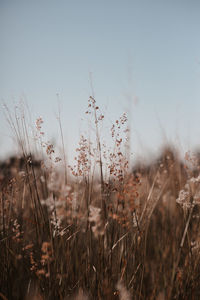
column 101, row 228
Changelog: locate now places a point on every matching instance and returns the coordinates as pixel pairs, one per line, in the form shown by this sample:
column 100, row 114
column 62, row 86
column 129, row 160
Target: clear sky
column 144, row 50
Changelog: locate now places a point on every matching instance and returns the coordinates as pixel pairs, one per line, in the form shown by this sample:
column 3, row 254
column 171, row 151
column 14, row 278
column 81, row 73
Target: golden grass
column 99, row 229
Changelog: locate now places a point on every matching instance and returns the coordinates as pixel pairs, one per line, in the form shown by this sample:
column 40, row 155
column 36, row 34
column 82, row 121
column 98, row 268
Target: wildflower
column 32, row 262
column 197, row 198
column 53, row 182
column 41, row 272
column 56, row 223
column 38, row 123
column 135, row 220
column 42, row 179
column 49, row 202
column 190, row 195
column 46, row 253
column 195, row 246
column 184, row 199
column 123, row 292
column 16, row 230
column 57, row 159
column 101, row 117
column 195, row 179
column 65, row 190
column 45, row 246
column 49, row 149
column 22, row 174
column 95, row 219
column 27, row 247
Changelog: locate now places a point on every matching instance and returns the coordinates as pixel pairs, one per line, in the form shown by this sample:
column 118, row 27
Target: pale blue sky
column 146, row 49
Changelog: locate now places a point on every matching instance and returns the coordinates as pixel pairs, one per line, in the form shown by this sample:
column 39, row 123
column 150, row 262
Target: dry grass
column 98, row 229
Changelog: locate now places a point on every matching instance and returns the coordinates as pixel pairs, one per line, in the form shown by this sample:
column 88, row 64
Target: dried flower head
column 96, row 221
column 124, row 294
column 184, row 199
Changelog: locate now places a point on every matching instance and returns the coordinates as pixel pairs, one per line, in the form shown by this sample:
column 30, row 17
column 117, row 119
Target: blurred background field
column 102, row 227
